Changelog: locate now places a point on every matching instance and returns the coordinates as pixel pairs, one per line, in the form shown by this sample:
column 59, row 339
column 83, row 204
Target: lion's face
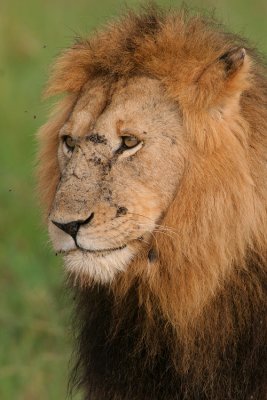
column 120, row 165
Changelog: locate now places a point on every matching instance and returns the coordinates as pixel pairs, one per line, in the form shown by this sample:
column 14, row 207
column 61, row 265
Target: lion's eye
column 69, row 142
column 129, row 142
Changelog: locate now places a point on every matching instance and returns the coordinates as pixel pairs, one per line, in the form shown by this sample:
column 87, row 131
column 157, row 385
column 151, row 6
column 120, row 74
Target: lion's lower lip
column 99, row 251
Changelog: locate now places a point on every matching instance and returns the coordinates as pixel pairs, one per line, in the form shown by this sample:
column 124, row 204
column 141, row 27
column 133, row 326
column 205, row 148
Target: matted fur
column 193, row 324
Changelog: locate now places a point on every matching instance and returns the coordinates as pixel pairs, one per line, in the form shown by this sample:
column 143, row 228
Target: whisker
column 158, row 225
column 158, row 228
column 168, row 234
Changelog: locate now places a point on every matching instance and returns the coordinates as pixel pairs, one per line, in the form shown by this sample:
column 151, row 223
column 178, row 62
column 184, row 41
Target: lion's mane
column 196, row 327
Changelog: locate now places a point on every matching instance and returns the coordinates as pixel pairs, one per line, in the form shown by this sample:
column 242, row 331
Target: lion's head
column 154, row 165
column 121, row 157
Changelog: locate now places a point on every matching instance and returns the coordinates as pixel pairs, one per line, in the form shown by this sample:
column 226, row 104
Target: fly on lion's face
column 120, row 164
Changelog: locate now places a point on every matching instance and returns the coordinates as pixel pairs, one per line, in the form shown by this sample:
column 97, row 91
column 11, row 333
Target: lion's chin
column 100, row 266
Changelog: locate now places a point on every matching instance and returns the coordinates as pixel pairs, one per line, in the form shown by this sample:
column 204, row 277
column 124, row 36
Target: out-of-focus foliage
column 34, row 312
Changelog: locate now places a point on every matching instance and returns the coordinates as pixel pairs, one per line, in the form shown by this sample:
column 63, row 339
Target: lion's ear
column 223, row 79
column 235, row 65
column 212, row 98
column 233, row 60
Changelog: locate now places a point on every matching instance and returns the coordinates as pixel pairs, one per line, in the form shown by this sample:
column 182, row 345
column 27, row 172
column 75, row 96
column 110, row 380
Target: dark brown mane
column 123, row 354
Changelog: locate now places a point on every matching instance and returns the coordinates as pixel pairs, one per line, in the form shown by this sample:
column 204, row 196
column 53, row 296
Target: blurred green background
column 35, row 340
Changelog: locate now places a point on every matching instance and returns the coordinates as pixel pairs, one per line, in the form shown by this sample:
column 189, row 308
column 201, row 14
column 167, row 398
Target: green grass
column 34, row 313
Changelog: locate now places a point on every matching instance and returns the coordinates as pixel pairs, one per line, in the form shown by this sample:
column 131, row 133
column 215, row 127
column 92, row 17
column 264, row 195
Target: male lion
column 153, row 172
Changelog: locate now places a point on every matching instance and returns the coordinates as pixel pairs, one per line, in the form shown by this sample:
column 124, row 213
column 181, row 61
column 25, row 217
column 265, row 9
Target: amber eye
column 129, row 142
column 69, row 142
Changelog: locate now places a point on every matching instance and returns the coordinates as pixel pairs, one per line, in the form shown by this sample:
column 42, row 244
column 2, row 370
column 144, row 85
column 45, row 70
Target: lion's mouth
column 101, row 251
column 98, row 252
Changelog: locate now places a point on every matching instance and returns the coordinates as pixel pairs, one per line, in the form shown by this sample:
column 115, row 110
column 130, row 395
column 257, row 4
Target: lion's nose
column 72, row 227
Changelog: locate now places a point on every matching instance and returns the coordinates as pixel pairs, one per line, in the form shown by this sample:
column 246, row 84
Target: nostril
column 72, row 227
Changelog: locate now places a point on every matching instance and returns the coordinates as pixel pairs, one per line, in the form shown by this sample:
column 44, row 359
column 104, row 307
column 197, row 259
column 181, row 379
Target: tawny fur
column 214, row 258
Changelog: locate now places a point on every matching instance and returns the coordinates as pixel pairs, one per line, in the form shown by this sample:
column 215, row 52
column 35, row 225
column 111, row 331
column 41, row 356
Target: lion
column 153, row 177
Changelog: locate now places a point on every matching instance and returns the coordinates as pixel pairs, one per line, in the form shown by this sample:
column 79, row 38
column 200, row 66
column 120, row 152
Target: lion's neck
column 125, row 343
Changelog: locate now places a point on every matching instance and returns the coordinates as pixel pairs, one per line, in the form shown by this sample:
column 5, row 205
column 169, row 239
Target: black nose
column 72, row 227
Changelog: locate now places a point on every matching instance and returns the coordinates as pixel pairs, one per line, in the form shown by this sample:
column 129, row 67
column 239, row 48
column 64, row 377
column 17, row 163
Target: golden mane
column 212, row 260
